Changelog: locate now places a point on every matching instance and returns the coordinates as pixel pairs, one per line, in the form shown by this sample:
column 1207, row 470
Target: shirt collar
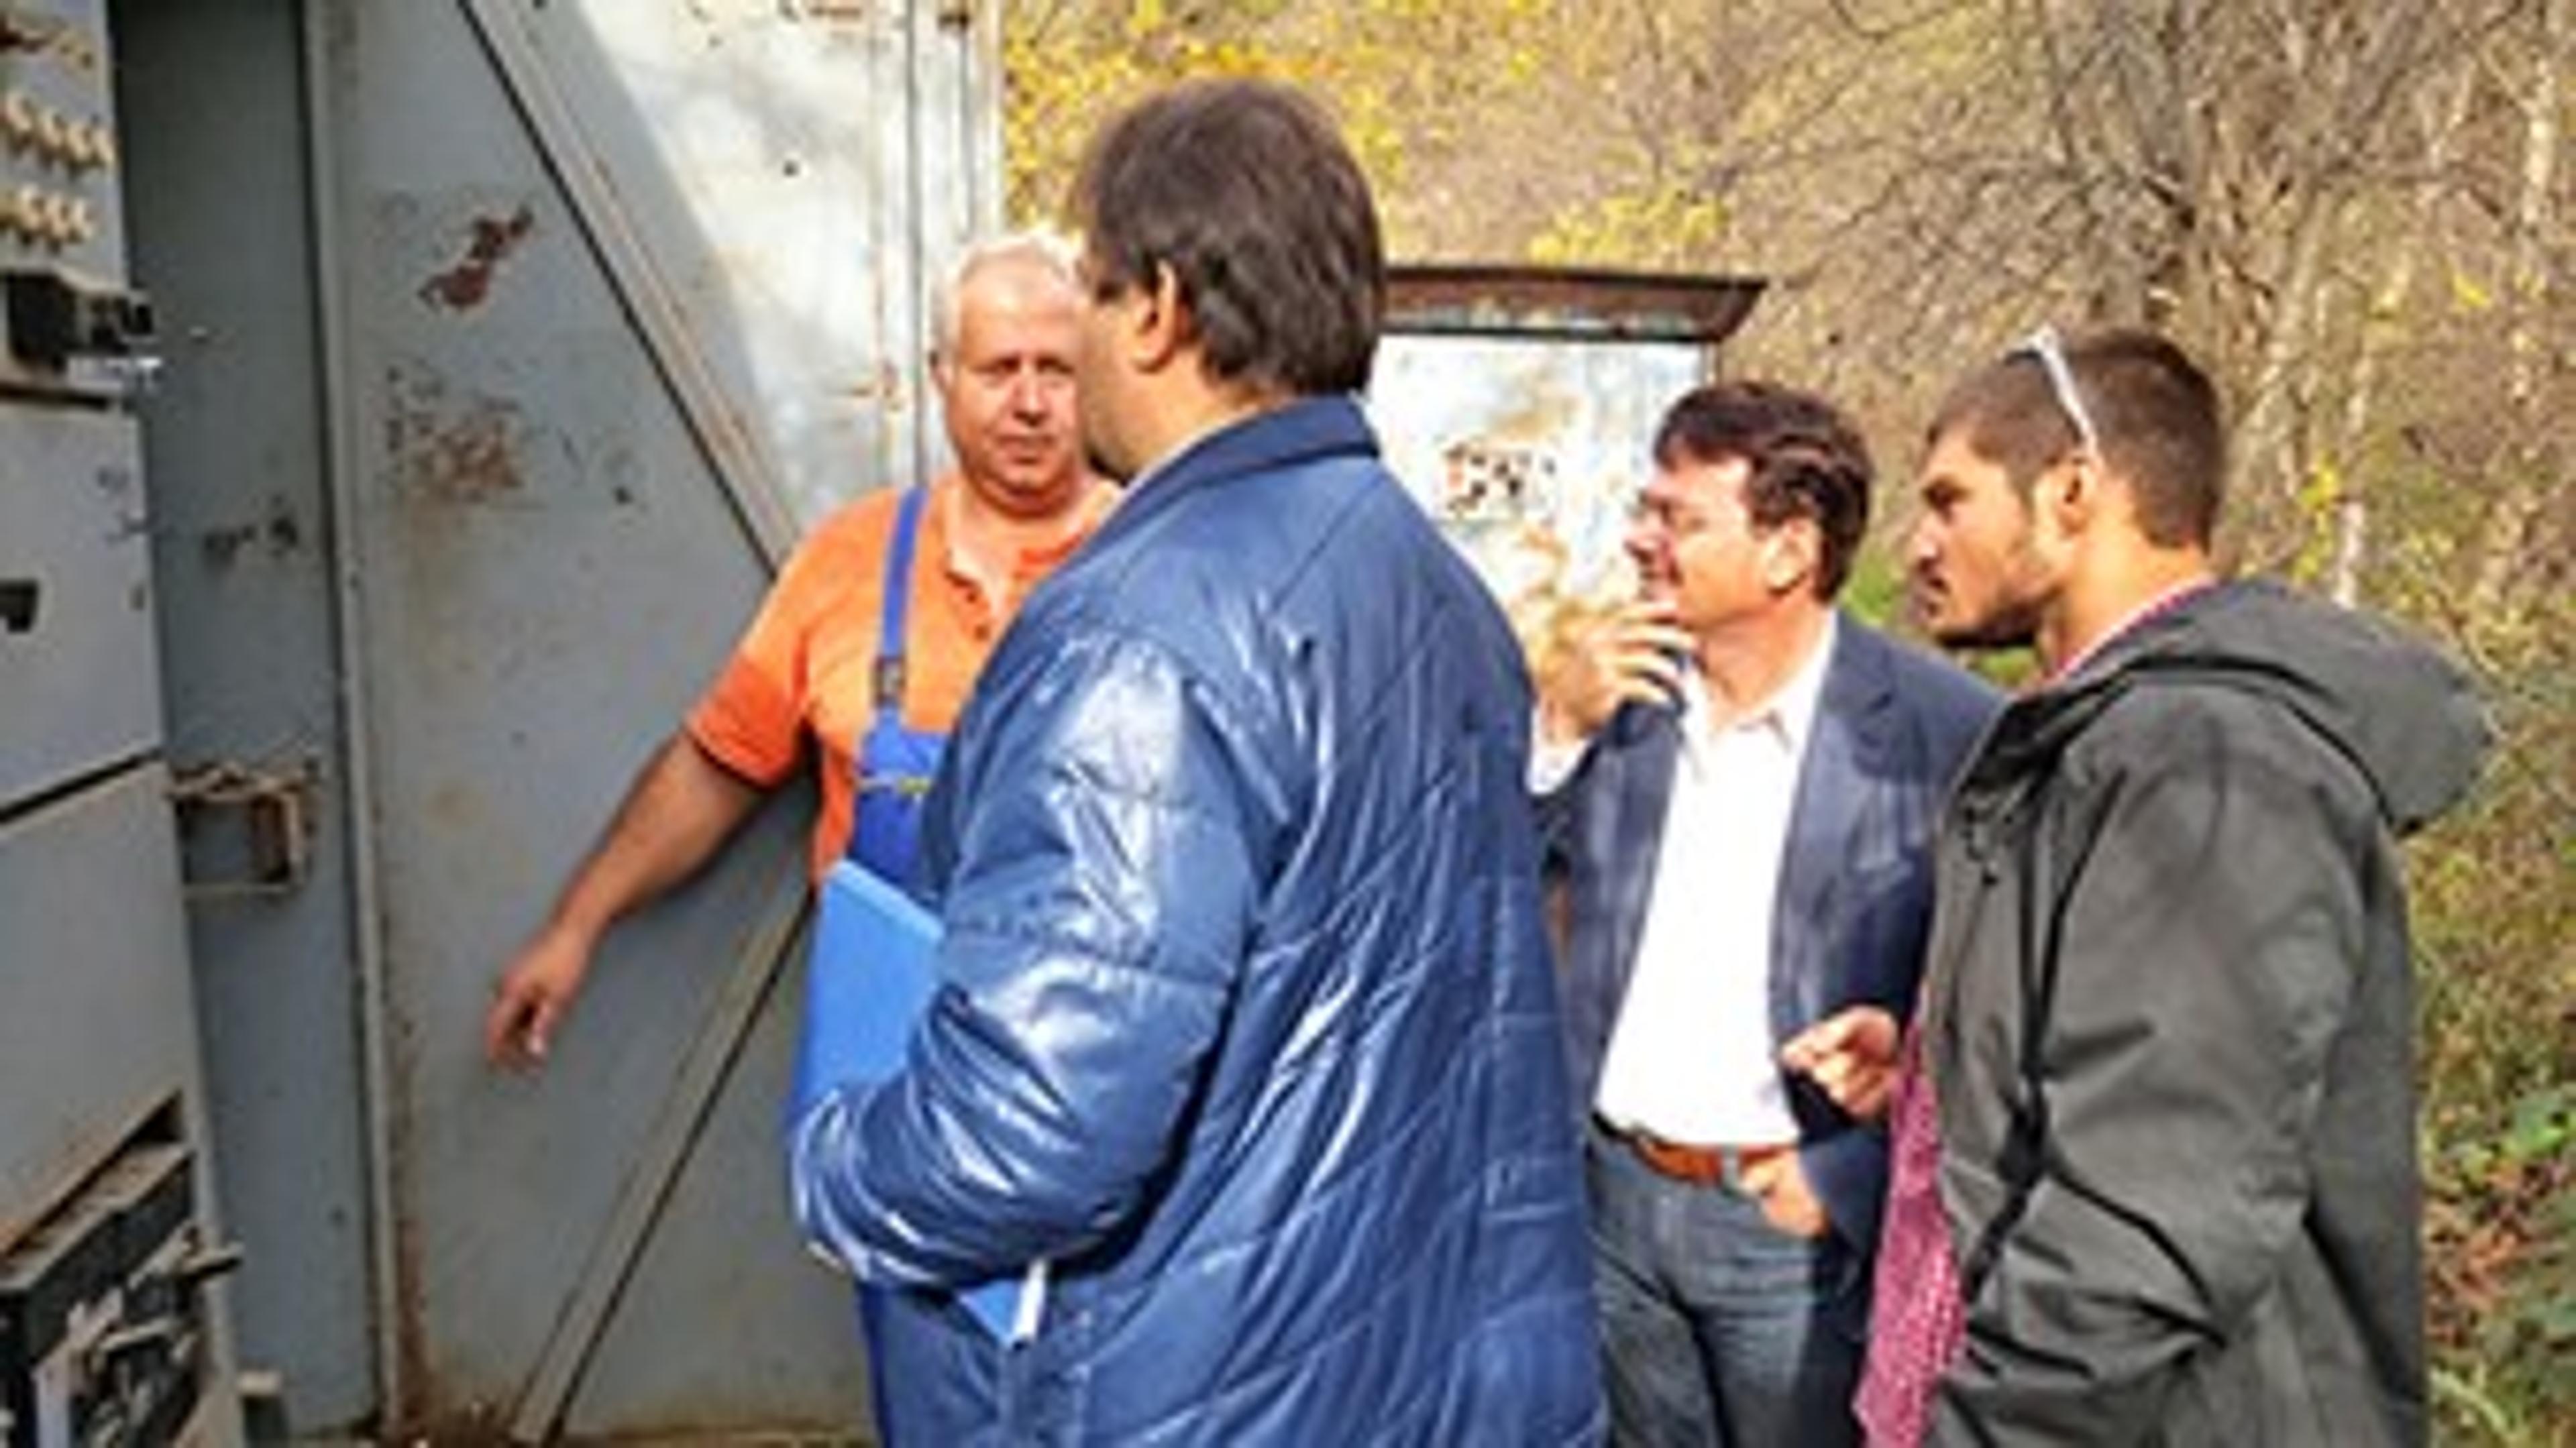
column 1795, row 705
column 940, row 533
column 1306, row 429
column 1790, row 713
column 2136, row 616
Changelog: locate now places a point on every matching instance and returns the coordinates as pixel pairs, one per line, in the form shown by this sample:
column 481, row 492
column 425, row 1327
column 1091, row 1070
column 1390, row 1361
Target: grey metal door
column 558, row 320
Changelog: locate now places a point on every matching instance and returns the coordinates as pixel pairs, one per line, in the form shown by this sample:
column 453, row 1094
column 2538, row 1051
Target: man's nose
column 1645, row 542
column 1028, row 393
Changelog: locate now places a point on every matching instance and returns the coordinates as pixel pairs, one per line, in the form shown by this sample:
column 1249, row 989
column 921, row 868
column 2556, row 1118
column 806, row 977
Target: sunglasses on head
column 2044, row 348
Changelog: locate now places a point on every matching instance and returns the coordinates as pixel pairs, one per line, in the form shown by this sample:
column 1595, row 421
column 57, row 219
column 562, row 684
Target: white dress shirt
column 1691, row 1057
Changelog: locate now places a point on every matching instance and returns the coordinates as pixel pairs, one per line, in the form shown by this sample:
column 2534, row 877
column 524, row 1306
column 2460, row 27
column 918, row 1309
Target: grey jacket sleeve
column 2205, row 932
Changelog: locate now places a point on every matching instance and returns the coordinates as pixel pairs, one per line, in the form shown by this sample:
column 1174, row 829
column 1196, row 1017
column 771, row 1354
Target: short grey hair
column 1051, row 250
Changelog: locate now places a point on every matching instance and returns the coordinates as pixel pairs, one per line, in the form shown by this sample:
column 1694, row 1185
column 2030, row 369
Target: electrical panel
column 109, row 1334
column 69, row 323
column 103, row 1327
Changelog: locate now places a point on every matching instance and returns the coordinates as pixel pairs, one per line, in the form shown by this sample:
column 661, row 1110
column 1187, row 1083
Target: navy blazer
column 1892, row 727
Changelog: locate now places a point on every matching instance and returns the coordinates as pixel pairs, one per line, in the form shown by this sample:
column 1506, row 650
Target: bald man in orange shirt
column 977, row 539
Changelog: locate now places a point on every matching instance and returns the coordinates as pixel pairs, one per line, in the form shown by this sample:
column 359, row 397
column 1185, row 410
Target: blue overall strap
column 894, row 764
column 896, row 605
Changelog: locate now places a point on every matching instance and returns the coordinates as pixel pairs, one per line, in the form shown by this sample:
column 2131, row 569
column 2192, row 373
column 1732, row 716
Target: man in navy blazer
column 1739, row 785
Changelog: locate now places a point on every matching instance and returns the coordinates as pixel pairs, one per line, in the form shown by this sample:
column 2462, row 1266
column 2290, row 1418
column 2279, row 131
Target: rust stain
column 451, row 450
column 465, row 285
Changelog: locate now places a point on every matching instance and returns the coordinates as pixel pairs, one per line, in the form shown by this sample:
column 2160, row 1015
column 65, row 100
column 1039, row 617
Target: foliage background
column 2357, row 211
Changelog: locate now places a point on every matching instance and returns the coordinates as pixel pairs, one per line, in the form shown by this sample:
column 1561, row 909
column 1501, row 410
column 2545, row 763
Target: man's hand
column 1851, row 1056
column 532, row 996
column 679, row 810
column 1630, row 654
column 1788, row 1203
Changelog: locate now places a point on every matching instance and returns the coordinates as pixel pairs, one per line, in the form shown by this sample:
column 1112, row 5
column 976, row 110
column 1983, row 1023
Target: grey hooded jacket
column 2168, row 1026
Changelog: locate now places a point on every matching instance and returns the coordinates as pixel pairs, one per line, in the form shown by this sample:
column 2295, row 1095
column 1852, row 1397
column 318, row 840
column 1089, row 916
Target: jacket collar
column 1306, row 430
column 1847, row 744
column 1855, row 690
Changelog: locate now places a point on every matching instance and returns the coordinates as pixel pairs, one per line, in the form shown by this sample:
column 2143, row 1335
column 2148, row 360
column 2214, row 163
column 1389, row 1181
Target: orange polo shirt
column 805, row 666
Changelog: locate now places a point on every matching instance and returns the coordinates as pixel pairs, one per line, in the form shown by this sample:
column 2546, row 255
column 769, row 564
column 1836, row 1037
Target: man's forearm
column 679, row 811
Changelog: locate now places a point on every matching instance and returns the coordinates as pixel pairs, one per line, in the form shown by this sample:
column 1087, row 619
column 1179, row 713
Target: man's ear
column 2074, row 492
column 1159, row 329
column 1791, row 553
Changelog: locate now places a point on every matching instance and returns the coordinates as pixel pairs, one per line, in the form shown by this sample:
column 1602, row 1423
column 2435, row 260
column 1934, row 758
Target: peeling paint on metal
column 465, row 285
column 451, row 449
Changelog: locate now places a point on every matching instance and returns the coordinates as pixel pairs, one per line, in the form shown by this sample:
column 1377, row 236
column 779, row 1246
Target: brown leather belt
column 1704, row 1166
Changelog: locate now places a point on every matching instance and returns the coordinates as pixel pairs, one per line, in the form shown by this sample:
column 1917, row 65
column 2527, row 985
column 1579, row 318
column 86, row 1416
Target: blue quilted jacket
column 1248, row 1026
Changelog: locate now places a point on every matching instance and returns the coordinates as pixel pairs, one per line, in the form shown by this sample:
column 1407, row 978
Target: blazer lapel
column 1846, row 749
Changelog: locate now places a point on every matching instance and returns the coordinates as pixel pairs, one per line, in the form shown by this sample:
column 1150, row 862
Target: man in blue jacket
column 1741, row 786
column 1248, row 1028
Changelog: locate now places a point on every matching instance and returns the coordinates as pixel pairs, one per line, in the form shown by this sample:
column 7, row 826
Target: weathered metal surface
column 511, row 343
column 500, row 378
column 77, row 687
column 702, row 1072
column 97, row 1027
column 554, row 461
column 94, row 1023
column 244, row 563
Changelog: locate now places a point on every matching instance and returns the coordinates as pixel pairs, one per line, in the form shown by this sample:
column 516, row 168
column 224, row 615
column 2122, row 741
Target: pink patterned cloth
column 1917, row 1319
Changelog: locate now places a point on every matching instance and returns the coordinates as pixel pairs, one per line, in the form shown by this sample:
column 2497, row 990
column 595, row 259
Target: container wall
column 511, row 344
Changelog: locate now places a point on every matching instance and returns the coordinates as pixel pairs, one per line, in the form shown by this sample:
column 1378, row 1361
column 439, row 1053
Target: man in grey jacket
column 2155, row 1175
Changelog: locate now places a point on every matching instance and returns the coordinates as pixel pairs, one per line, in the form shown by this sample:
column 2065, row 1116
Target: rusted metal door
column 600, row 302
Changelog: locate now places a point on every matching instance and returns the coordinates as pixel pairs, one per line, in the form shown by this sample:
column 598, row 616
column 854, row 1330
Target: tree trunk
column 2445, row 111
column 2519, row 493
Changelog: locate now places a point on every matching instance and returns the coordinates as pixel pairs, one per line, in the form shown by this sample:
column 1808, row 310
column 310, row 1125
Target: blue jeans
column 1718, row 1328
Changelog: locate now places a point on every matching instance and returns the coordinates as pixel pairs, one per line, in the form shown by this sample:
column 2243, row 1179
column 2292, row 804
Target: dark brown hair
column 1244, row 192
column 1806, row 461
column 2156, row 414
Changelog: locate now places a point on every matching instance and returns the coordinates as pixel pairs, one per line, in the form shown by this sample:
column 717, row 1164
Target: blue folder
column 872, row 975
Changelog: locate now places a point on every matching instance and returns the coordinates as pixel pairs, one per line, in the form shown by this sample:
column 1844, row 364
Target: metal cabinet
column 78, row 687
